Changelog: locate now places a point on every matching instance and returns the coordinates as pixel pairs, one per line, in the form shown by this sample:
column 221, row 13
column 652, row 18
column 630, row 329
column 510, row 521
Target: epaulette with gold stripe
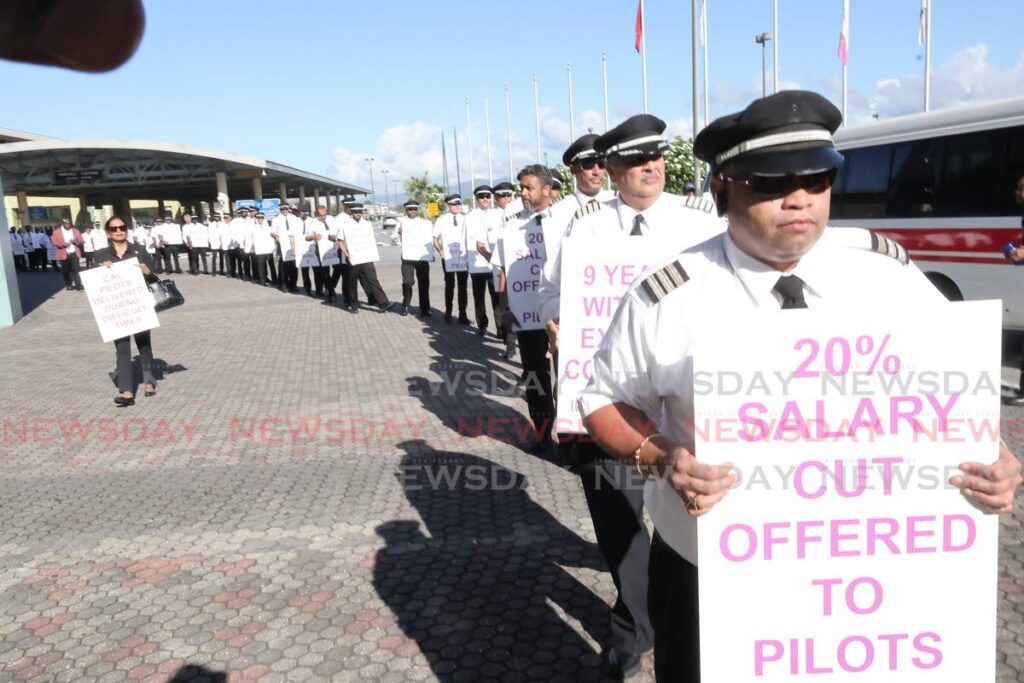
column 520, row 215
column 888, row 247
column 700, row 203
column 587, row 209
column 660, row 283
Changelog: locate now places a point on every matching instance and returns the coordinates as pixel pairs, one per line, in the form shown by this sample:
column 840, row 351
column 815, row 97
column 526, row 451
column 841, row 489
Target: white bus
column 942, row 185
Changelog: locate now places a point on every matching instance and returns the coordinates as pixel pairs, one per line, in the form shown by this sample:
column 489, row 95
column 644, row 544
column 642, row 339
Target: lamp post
column 761, row 40
column 369, row 160
column 387, row 197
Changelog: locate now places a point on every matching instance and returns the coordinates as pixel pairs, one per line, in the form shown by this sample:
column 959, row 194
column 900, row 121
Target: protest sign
column 360, row 242
column 120, row 300
column 842, row 553
column 594, row 277
column 523, row 255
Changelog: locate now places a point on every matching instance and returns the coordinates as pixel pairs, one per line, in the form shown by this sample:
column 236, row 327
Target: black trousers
column 20, row 263
column 260, row 267
column 272, row 267
column 69, row 269
column 234, row 267
column 533, row 345
column 90, row 261
column 220, row 261
column 615, row 496
column 450, row 280
column 305, row 279
column 172, row 250
column 480, row 282
column 420, row 272
column 123, row 348
column 195, row 254
column 289, row 276
column 365, row 274
column 346, row 281
column 672, row 600
column 322, row 279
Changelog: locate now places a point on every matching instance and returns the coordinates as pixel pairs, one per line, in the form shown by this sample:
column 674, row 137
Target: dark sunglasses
column 483, row 195
column 117, row 228
column 776, row 186
column 588, row 164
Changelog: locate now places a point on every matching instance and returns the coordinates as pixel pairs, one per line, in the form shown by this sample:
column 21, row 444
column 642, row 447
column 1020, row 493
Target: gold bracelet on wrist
column 636, row 453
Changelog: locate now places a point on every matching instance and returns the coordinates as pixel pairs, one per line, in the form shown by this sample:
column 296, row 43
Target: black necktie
column 638, row 222
column 791, row 289
column 455, row 220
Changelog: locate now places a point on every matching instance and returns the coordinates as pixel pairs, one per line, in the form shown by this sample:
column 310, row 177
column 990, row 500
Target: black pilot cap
column 582, row 149
column 412, row 204
column 637, row 136
column 788, row 132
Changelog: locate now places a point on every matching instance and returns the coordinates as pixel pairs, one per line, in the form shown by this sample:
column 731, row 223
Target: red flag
column 639, row 24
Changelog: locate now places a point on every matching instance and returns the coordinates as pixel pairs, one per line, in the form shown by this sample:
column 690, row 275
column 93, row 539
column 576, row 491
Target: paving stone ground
column 308, row 497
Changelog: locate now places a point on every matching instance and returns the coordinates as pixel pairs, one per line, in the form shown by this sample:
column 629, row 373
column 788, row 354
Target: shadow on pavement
column 37, row 288
column 194, row 673
column 481, row 589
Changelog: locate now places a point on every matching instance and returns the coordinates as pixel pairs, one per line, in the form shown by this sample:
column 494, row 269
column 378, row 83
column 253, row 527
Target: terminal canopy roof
column 108, row 170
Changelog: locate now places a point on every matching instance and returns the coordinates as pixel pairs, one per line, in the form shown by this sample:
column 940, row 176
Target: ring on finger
column 691, row 502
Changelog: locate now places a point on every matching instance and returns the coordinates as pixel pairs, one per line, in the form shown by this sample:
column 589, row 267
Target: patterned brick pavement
column 307, row 498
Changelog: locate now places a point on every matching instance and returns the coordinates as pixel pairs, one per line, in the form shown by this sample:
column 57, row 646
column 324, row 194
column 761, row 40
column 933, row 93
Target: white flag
column 922, row 28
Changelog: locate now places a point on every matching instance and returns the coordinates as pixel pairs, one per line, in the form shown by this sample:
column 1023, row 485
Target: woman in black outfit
column 119, row 249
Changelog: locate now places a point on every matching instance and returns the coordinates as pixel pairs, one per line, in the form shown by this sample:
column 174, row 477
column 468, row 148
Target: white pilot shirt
column 213, row 232
column 17, row 246
column 286, row 227
column 646, row 359
column 199, row 236
column 171, row 232
column 450, row 229
column 476, row 231
column 262, row 242
column 675, row 223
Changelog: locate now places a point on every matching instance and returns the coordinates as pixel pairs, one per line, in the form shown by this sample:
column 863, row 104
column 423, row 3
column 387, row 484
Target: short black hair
column 538, row 171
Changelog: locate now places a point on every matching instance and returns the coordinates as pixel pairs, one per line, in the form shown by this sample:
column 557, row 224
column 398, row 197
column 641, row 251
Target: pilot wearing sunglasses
column 772, row 167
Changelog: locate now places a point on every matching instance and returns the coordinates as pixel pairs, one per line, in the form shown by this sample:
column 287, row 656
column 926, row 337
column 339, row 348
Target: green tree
column 420, row 189
column 568, row 181
column 678, row 164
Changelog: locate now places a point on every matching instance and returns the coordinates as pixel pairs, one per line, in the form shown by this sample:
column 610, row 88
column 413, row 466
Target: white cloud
column 965, row 77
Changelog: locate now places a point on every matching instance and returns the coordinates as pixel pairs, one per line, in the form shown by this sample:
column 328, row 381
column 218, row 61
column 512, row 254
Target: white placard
column 361, row 242
column 843, row 554
column 120, row 300
column 523, row 256
column 330, row 254
column 455, row 257
column 594, row 276
column 417, row 239
column 306, row 252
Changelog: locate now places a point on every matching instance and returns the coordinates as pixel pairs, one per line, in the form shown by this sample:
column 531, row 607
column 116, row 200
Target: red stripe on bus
column 983, row 240
column 991, row 260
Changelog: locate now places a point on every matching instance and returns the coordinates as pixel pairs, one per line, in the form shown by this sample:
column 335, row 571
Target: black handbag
column 165, row 295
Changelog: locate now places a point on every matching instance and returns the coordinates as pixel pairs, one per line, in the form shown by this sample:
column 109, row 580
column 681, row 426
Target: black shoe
column 463, row 320
column 481, row 331
column 448, row 318
column 425, row 314
column 124, row 401
column 622, row 664
column 149, row 393
column 405, row 311
column 352, row 308
column 1017, row 400
column 330, row 297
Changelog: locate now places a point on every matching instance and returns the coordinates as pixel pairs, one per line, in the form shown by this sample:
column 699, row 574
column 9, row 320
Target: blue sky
column 322, row 84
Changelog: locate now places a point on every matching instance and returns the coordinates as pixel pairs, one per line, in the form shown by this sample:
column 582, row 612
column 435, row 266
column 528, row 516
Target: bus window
column 970, row 174
column 1013, row 170
column 865, row 175
column 915, row 178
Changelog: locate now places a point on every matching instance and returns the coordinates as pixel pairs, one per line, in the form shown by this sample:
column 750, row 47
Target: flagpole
column 536, row 113
column 604, row 64
column 696, row 92
column 444, row 166
column 643, row 50
column 704, row 37
column 469, row 136
column 508, row 129
column 775, row 46
column 926, row 7
column 572, row 131
column 458, row 169
column 487, row 121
